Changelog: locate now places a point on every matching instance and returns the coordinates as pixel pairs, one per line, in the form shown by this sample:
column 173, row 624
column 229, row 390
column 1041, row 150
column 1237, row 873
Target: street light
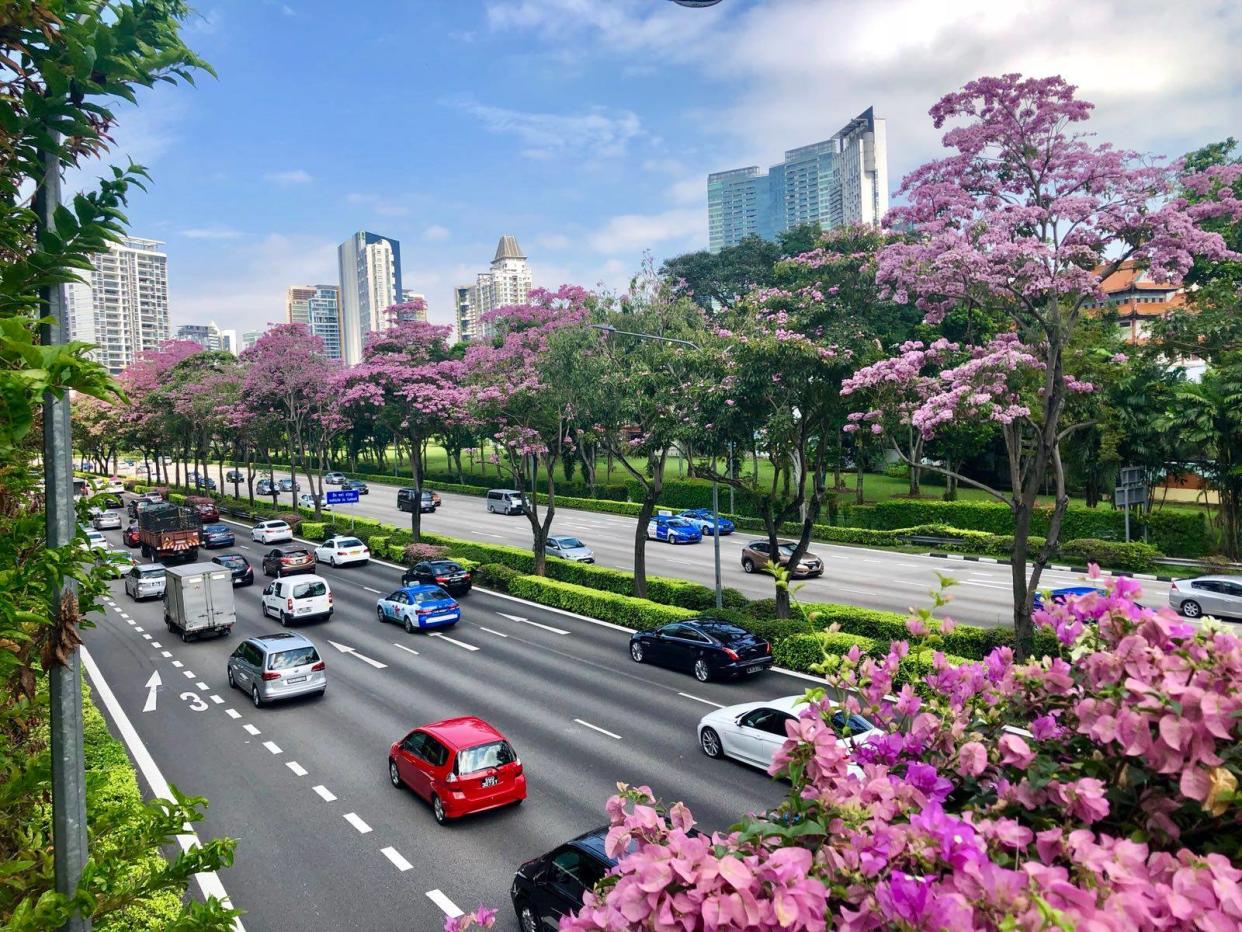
column 609, row 331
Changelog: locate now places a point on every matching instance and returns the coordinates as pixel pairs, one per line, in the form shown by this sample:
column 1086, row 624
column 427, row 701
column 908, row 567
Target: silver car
column 1207, row 595
column 277, row 666
column 145, row 582
column 569, row 548
column 106, row 520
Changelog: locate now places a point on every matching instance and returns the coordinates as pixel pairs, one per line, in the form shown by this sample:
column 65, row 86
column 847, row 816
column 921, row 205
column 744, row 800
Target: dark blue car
column 702, row 519
column 1059, row 596
column 218, row 535
column 418, row 608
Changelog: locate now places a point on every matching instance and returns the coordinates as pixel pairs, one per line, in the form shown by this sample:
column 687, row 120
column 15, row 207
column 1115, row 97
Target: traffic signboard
column 343, row 497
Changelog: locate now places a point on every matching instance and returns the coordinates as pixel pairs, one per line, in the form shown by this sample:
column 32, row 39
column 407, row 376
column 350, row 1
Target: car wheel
column 284, row 619
column 709, row 741
column 702, row 672
column 1191, row 609
column 437, row 809
column 409, row 625
column 254, row 697
column 748, row 565
column 392, row 773
column 490, row 509
column 527, row 918
column 636, row 651
column 332, row 561
column 185, row 636
column 379, row 613
column 232, row 683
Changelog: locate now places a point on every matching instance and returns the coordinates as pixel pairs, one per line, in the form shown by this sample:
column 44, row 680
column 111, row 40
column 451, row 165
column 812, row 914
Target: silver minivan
column 277, row 666
column 1207, row 595
column 505, row 501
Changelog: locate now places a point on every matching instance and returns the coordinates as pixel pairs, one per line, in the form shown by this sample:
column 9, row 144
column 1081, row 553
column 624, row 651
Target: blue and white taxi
column 671, row 529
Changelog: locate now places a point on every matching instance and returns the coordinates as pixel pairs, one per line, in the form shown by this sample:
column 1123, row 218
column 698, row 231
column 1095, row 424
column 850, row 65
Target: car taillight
column 767, row 647
column 289, row 604
column 442, row 579
column 271, row 675
column 730, row 653
column 329, row 598
column 319, row 666
column 1173, row 587
column 517, row 763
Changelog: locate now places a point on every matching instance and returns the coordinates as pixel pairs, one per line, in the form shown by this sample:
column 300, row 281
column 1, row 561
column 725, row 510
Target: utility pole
column 69, row 843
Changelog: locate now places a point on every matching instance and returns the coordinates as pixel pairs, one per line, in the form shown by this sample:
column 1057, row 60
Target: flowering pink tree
column 149, row 415
column 520, row 392
column 409, row 379
column 1024, row 221
column 1096, row 790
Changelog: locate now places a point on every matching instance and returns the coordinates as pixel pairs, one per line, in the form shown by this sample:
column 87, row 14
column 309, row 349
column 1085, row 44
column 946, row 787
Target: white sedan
column 339, row 551
column 271, row 532
column 306, row 500
column 754, row 731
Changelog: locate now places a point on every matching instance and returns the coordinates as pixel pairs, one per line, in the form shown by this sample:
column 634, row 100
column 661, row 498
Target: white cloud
column 290, row 176
column 630, row 233
column 597, row 132
column 211, row 233
column 436, row 232
column 288, row 10
column 553, row 241
column 690, row 190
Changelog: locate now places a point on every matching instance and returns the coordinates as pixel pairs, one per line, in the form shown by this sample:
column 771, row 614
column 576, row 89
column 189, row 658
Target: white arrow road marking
column 398, row 861
column 533, row 623
column 446, row 905
column 436, row 634
column 346, row 649
column 152, row 684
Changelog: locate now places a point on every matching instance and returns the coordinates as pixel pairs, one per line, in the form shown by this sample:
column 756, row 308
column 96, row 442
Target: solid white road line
column 208, row 883
column 447, row 906
column 251, row 730
column 437, row 634
column 273, row 747
column 232, row 713
column 216, row 699
column 704, row 701
column 398, row 861
column 602, row 731
column 490, row 631
column 369, row 589
column 352, row 819
column 533, row 624
column 298, row 769
column 324, row 793
column 408, row 650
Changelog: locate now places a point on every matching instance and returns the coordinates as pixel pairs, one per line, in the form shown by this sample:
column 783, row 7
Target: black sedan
column 239, row 566
column 355, row 485
column 707, row 647
column 448, row 575
column 548, row 887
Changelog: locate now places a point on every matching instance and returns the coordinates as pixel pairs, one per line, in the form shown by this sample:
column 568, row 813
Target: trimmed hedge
column 641, row 614
column 1138, row 558
column 315, row 530
column 801, row 651
column 494, row 575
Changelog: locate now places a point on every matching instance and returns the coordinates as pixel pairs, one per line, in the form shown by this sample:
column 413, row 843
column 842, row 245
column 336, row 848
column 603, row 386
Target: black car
column 204, row 482
column 448, row 575
column 112, row 502
column 405, row 500
column 234, row 476
column 356, row 485
column 239, row 566
column 707, row 647
column 548, row 887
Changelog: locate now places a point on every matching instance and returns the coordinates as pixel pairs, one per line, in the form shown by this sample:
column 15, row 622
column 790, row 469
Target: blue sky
column 586, row 127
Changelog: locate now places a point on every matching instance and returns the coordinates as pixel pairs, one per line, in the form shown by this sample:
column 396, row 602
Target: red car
column 459, row 765
column 131, row 535
column 206, row 508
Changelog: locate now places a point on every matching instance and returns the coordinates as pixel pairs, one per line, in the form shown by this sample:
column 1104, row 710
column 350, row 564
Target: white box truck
column 198, row 600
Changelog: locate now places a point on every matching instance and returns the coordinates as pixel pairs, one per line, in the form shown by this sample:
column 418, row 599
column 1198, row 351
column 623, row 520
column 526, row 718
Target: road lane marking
column 535, row 624
column 447, row 906
column 490, row 631
column 156, row 644
column 138, row 629
column 251, row 730
column 369, row 589
column 131, row 622
column 152, row 684
column 398, row 861
column 602, row 731
column 216, row 699
column 298, row 769
column 346, row 649
column 324, row 793
column 273, row 747
column 177, row 663
column 189, row 674
column 232, row 713
column 437, row 634
column 408, row 650
column 146, row 637
column 201, row 685
column 704, row 701
column 166, row 653
column 352, row 819
column 208, row 882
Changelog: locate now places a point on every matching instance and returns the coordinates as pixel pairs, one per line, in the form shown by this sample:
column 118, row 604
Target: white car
column 115, row 485
column 145, row 582
column 96, row 541
column 338, row 551
column 754, row 731
column 271, row 532
column 298, row 598
column 106, row 520
column 306, row 500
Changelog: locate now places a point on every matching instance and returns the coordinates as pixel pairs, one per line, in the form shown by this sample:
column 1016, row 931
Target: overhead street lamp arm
column 609, row 330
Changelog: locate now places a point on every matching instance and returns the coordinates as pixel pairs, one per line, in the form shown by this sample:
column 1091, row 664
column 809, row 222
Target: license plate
column 440, row 618
column 302, row 611
column 296, row 679
column 754, row 669
column 490, row 781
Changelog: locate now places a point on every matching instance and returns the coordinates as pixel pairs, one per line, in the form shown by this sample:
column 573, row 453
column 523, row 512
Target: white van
column 298, row 598
column 505, row 501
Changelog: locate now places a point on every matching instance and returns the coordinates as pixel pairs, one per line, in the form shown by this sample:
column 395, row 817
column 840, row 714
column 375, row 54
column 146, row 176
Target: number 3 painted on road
column 196, row 701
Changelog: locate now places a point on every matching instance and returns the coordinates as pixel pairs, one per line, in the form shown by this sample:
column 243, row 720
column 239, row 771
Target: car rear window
column 231, row 561
column 444, row 567
column 472, row 760
column 295, row 657
column 853, row 725
column 296, row 554
column 309, row 590
column 349, row 542
column 436, row 596
column 152, row 574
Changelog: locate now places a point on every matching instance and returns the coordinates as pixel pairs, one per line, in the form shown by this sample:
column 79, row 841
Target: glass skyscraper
column 370, row 269
column 317, row 306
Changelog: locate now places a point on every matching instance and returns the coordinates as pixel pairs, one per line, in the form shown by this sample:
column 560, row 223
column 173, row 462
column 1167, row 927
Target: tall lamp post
column 609, row 330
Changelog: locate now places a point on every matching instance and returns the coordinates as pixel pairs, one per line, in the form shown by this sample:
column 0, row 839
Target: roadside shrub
column 494, row 575
column 396, row 552
column 642, row 614
column 377, row 542
column 417, row 553
column 1135, row 557
column 314, row 530
column 801, row 651
column 293, row 520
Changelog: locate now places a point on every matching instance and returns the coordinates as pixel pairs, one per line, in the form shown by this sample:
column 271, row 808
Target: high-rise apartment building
column 249, row 338
column 840, row 181
column 506, row 282
column 123, row 307
column 370, row 270
column 465, row 305
column 319, row 307
column 209, row 337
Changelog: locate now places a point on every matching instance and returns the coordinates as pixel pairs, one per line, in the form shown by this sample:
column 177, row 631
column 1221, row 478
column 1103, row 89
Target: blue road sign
column 343, row 497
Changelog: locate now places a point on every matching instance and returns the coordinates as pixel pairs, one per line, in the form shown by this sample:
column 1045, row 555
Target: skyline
column 584, row 132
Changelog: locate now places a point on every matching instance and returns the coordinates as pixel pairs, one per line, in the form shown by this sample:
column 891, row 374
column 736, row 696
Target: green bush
column 607, row 606
column 397, row 552
column 1135, row 557
column 377, row 543
column 494, row 575
column 801, row 651
column 314, row 530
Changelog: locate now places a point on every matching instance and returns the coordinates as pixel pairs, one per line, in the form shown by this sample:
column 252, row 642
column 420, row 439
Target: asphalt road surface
column 853, row 575
column 324, row 841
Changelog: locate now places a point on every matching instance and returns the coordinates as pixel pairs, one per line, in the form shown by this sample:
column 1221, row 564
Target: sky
column 586, row 128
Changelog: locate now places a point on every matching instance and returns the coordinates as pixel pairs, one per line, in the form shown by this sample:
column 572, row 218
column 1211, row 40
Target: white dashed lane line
column 216, row 699
column 201, row 685
column 324, row 793
column 138, row 629
column 156, row 644
column 189, row 674
column 177, row 663
column 602, row 731
column 408, row 650
column 704, row 701
column 447, row 906
column 498, row 634
column 353, row 819
column 146, row 637
column 165, row 653
column 273, row 747
column 232, row 713
column 369, row 589
column 398, row 861
column 298, row 769
column 445, row 637
column 251, row 730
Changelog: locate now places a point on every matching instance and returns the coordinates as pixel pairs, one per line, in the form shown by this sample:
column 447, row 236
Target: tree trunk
column 950, row 482
column 416, row 470
column 859, row 497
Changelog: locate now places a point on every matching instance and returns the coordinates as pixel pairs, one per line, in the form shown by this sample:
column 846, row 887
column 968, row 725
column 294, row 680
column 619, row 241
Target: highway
column 878, row 579
column 324, row 841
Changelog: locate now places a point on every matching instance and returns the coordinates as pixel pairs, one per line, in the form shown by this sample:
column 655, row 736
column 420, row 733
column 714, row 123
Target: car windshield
column 433, row 595
column 569, row 542
column 232, row 561
column 472, row 760
column 309, row 590
column 152, row 574
column 348, row 542
column 787, row 551
column 296, row 657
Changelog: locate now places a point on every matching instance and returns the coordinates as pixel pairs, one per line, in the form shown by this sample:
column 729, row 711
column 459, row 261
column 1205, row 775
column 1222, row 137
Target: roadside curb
column 1052, row 566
